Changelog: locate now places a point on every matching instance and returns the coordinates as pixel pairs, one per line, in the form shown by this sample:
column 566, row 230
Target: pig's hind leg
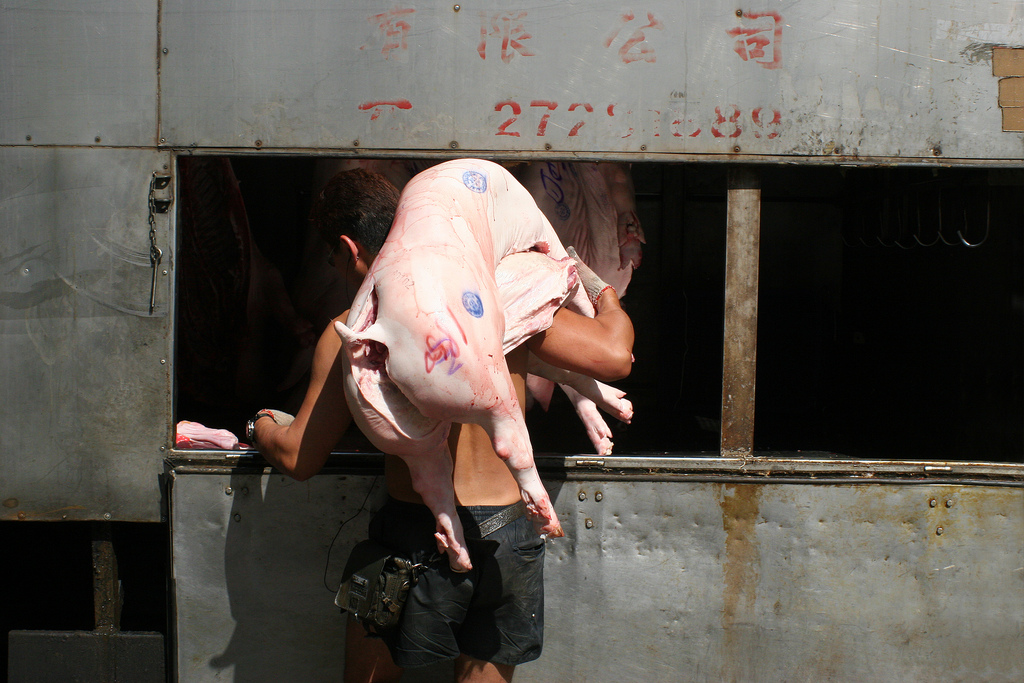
column 511, row 442
column 431, row 474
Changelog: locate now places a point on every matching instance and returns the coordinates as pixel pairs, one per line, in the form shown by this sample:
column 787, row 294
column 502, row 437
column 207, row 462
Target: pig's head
column 378, row 406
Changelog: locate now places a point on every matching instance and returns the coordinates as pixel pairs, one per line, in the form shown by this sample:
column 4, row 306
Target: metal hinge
column 157, row 204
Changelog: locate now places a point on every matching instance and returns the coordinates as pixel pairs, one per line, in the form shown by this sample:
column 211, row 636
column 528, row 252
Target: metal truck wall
column 655, row 580
column 84, row 402
column 810, row 78
column 85, row 397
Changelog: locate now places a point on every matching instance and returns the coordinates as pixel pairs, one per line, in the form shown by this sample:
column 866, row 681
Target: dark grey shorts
column 495, row 612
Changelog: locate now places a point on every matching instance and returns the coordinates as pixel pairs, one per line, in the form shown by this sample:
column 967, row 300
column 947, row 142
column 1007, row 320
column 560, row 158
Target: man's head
column 354, row 211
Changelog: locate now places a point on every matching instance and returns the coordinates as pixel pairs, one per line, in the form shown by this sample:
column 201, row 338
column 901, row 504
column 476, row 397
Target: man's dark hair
column 356, row 203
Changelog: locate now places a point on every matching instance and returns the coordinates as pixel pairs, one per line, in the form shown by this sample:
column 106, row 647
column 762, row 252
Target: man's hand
column 593, row 284
column 278, row 416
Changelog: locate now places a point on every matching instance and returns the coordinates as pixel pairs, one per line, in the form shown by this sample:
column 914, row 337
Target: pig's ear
column 348, row 336
column 351, row 340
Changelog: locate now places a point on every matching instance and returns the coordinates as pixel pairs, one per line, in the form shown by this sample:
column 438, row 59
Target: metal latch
column 156, row 205
column 160, row 204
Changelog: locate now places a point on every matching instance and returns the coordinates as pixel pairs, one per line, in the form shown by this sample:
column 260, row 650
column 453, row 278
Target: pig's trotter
column 542, row 514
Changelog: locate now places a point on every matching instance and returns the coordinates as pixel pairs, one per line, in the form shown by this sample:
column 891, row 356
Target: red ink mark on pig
column 393, row 28
column 751, row 41
column 456, row 321
column 380, row 107
column 440, row 350
column 509, row 27
column 635, row 49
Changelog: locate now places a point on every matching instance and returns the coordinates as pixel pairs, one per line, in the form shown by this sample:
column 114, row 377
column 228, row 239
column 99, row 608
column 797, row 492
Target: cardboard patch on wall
column 1008, row 64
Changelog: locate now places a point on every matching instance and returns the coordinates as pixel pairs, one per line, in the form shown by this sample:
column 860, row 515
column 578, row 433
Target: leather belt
column 501, row 518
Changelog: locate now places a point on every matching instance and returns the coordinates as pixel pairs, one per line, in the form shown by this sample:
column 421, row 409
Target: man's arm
column 599, row 347
column 301, row 448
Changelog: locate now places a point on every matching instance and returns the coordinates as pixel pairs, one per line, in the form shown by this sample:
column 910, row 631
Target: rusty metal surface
column 739, row 359
column 106, row 586
column 816, row 78
column 675, row 580
column 85, row 401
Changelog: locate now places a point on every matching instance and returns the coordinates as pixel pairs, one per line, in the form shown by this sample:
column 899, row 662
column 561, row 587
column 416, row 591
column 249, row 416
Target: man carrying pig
column 491, row 618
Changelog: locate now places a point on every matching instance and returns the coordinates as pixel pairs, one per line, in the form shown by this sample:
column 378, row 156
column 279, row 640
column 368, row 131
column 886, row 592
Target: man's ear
column 354, row 247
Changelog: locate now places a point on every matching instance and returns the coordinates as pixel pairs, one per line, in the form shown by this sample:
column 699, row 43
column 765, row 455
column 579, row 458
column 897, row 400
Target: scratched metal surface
column 85, row 397
column 73, row 72
column 811, row 78
column 668, row 581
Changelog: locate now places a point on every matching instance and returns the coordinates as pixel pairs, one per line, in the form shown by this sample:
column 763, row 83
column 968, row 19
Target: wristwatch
column 250, row 426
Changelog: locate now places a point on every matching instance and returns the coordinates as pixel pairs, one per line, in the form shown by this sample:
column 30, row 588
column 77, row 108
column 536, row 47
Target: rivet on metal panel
column 163, row 448
column 163, row 141
column 21, row 515
column 598, row 496
column 547, row 146
column 98, row 139
column 739, row 13
column 228, row 490
column 457, row 8
column 589, row 523
column 165, row 50
column 106, row 515
column 583, row 495
column 259, row 143
column 949, row 503
column 453, row 144
column 937, row 150
column 28, row 138
column 163, row 361
column 736, row 149
column 932, row 503
column 237, row 517
column 164, row 272
column 355, row 143
column 938, row 531
column 643, row 148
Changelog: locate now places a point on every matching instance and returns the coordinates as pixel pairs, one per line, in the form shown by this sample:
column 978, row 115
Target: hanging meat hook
column 988, row 225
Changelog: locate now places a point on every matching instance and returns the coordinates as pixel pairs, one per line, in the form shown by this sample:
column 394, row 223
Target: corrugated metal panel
column 817, row 77
column 673, row 580
column 78, row 73
column 85, row 401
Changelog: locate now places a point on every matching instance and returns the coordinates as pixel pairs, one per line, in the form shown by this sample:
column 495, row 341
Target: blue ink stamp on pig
column 475, row 181
column 472, row 303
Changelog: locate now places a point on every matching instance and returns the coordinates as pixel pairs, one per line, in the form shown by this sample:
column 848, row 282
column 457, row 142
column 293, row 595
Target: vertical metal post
column 739, row 363
column 106, row 585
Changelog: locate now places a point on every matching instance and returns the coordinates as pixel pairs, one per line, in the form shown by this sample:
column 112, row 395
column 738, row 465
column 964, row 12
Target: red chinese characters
column 635, row 47
column 393, row 29
column 761, row 42
column 508, row 26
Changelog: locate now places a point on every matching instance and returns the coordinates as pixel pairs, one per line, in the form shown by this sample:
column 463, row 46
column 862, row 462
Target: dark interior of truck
column 890, row 315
